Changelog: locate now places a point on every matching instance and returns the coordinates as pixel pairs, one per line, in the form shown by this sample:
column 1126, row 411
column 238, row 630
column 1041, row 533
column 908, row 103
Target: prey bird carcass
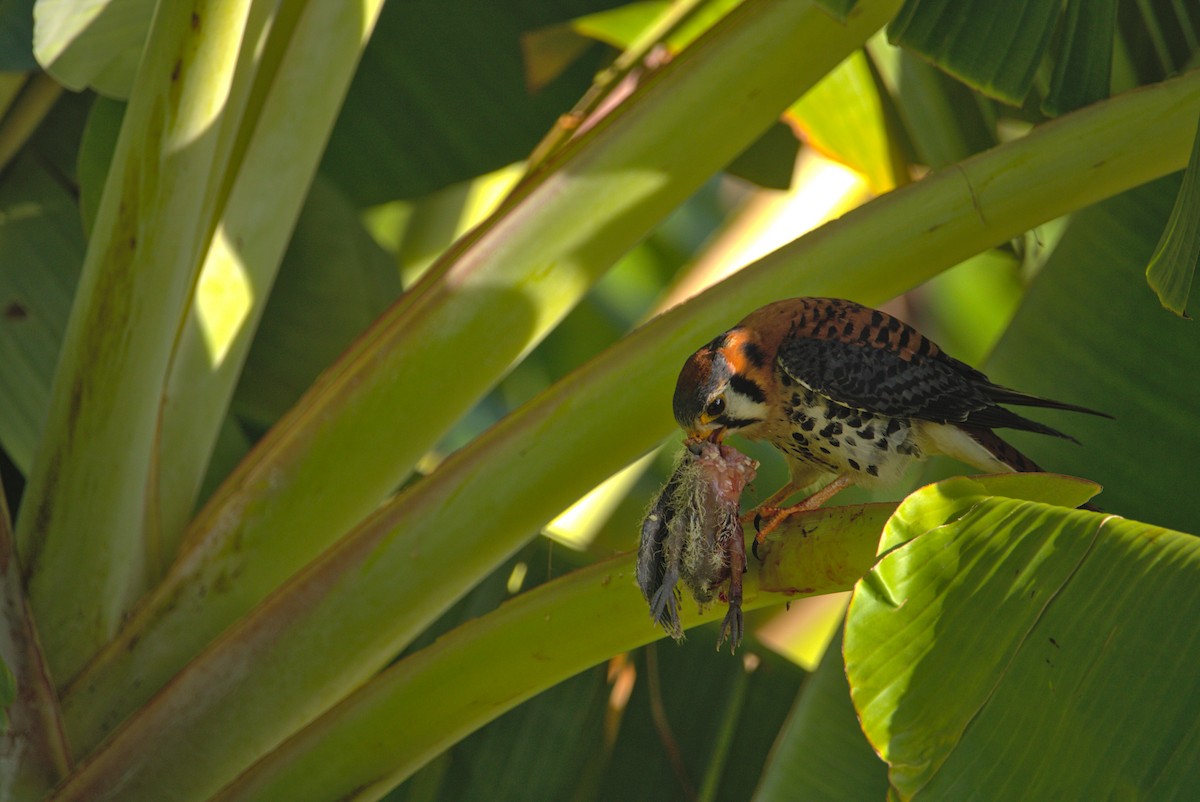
column 692, row 535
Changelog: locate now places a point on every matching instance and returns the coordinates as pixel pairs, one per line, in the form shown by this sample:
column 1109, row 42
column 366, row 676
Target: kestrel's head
column 722, row 387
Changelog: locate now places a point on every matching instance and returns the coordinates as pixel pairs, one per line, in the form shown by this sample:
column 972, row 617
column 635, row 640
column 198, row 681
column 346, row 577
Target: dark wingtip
column 1006, row 395
column 1001, row 418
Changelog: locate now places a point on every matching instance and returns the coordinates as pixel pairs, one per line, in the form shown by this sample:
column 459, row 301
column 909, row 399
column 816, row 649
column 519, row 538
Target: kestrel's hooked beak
column 714, row 436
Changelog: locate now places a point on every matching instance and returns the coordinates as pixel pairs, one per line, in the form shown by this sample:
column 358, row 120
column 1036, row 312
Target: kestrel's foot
column 764, row 514
column 768, row 519
column 768, row 511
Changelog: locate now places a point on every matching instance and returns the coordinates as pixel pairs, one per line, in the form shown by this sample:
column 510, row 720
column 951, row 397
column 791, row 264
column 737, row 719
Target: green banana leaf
column 1011, row 648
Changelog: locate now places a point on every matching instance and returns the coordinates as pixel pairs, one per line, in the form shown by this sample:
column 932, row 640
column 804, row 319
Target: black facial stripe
column 736, row 423
column 748, row 388
column 754, row 355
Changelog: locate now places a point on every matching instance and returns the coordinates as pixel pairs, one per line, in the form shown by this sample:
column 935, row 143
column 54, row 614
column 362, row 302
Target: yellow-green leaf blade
column 934, row 505
column 95, row 44
column 82, row 530
column 1021, row 648
column 257, row 220
column 843, row 117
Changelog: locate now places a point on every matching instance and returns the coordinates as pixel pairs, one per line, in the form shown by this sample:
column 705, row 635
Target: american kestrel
column 850, row 392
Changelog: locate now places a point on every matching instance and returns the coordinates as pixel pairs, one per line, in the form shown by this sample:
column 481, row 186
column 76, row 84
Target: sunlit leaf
column 843, row 117
column 95, row 44
column 622, row 25
column 1065, row 633
column 929, row 507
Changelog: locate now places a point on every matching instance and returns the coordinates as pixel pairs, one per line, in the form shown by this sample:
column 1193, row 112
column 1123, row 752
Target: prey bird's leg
column 771, row 523
column 732, row 626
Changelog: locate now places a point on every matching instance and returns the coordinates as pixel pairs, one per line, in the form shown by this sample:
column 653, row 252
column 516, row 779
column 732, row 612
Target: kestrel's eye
column 715, row 407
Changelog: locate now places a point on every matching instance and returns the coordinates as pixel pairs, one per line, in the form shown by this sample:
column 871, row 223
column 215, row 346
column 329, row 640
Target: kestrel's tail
column 1001, row 451
column 1009, row 456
